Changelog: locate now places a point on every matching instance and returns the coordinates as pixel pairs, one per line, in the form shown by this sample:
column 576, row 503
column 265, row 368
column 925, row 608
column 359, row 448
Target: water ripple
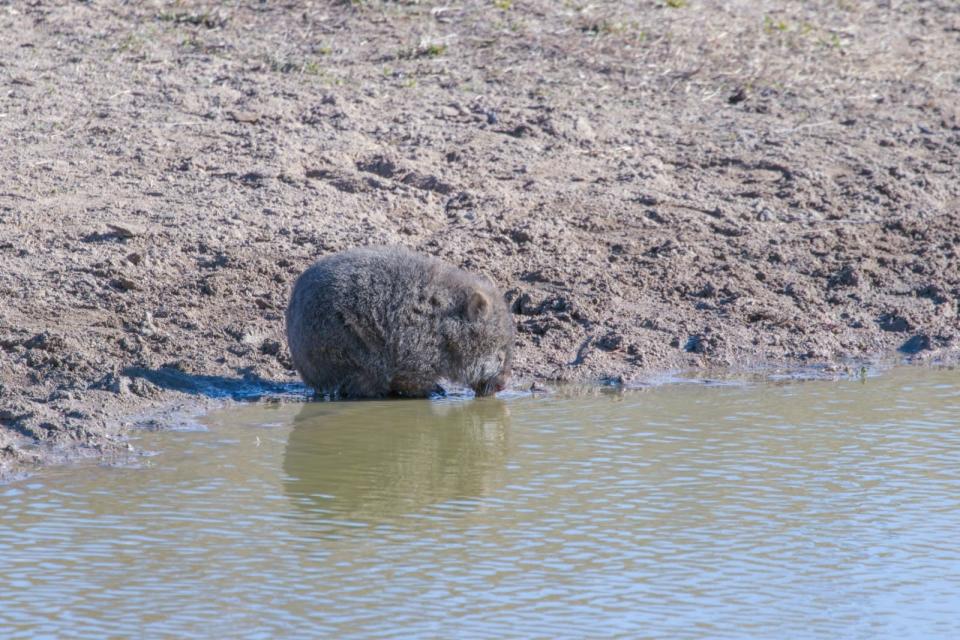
column 813, row 510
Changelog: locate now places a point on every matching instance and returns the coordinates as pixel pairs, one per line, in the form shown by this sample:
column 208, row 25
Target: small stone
column 249, row 337
column 144, row 388
column 239, row 350
column 951, row 119
column 738, row 96
column 125, row 284
column 129, row 345
column 381, row 165
column 135, row 258
column 208, row 287
column 246, row 117
column 520, row 236
column 270, row 347
column 523, row 305
column 125, row 229
column 460, row 201
column 696, row 344
column 264, row 303
column 427, row 182
column 254, row 178
column 707, row 291
column 846, row 277
column 612, row 381
column 765, row 215
column 584, row 129
column 115, row 383
column 147, row 327
column 189, row 367
column 521, row 131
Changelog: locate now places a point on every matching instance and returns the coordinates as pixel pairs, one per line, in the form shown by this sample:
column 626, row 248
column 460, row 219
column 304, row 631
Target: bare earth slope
column 659, row 185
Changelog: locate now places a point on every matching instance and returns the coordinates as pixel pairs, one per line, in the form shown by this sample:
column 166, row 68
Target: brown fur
column 378, row 321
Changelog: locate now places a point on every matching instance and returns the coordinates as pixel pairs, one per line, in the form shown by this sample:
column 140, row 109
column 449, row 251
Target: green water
column 808, row 510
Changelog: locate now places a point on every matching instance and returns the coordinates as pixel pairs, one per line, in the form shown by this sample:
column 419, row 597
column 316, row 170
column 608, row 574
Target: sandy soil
column 659, row 185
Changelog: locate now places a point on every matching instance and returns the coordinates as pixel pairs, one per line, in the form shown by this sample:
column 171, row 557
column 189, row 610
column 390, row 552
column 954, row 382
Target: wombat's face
column 487, row 346
column 496, row 372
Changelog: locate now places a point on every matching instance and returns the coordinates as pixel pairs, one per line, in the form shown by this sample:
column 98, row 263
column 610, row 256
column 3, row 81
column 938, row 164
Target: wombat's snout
column 491, row 386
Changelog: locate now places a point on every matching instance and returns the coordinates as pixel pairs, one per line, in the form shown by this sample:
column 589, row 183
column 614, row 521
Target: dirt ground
column 658, row 185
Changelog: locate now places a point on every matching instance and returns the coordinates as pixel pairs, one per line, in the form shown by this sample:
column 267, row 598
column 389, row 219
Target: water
column 809, row 510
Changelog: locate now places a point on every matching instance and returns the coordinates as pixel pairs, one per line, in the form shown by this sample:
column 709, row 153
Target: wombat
column 385, row 321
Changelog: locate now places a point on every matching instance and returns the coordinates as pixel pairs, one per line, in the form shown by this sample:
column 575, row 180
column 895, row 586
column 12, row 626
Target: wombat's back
column 375, row 321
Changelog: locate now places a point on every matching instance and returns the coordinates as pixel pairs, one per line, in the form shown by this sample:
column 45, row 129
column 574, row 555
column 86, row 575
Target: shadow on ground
column 248, row 386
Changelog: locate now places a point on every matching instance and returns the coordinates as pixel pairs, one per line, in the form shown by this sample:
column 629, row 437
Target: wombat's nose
column 487, row 387
column 484, row 388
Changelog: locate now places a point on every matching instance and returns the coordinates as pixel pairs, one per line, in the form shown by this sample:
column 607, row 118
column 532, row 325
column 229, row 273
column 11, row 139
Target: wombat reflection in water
column 381, row 321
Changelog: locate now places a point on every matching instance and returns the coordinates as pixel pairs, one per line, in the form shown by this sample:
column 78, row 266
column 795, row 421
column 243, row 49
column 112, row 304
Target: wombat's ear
column 477, row 306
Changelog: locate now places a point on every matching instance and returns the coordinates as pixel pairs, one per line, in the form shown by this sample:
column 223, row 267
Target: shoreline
column 174, row 411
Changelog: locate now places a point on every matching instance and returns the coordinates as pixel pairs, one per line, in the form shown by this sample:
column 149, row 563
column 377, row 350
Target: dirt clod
column 916, row 344
column 610, row 342
column 125, row 230
column 894, row 323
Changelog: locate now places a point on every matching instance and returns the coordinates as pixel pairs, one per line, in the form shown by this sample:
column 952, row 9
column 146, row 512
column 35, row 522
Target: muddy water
column 808, row 510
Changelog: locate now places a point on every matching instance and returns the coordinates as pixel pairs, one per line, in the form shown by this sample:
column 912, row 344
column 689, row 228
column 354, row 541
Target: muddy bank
column 657, row 185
